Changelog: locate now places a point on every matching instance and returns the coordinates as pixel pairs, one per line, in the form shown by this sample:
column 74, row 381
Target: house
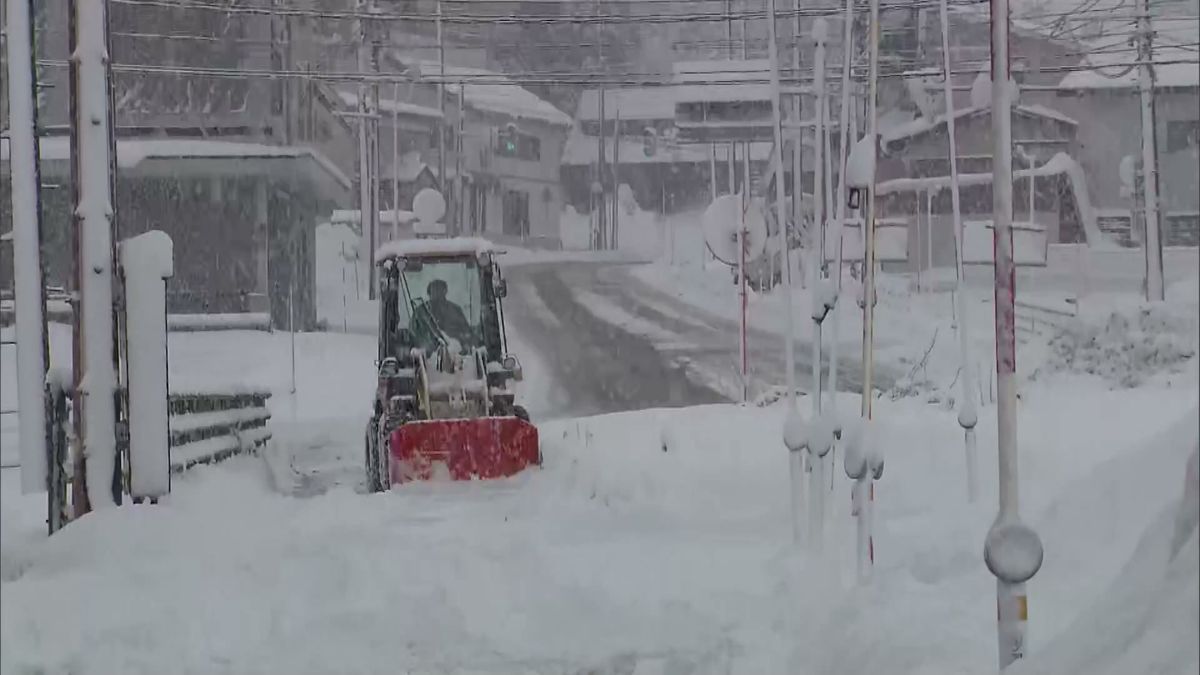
column 914, row 185
column 501, row 171
column 235, row 170
column 241, row 216
column 664, row 174
column 1107, row 101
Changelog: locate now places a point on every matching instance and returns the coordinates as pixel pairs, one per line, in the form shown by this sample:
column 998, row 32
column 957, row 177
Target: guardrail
column 204, row 428
column 210, row 427
column 1040, row 319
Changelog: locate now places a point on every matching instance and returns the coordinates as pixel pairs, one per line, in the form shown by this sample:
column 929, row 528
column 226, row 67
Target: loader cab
column 466, row 312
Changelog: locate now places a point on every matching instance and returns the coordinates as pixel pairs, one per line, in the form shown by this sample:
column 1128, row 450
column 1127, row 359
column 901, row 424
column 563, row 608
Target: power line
column 510, row 19
column 553, row 77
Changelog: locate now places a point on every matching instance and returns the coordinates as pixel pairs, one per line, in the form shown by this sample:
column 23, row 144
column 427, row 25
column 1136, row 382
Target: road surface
column 614, row 343
column 604, row 341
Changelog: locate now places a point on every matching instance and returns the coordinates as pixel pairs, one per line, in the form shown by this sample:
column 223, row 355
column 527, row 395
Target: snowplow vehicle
column 444, row 405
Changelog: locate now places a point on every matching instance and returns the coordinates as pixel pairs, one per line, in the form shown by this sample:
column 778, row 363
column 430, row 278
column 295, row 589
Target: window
column 518, row 145
column 1182, row 135
column 428, row 316
column 516, row 213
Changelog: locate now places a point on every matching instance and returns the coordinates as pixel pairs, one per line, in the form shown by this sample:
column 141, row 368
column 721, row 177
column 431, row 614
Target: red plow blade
column 462, row 449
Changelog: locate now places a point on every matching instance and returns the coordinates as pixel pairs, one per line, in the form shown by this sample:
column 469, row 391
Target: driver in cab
column 448, row 316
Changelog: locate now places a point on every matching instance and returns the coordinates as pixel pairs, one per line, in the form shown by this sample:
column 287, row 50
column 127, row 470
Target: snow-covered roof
column 641, row 103
column 404, row 248
column 132, row 152
column 387, row 105
column 583, row 150
column 386, row 217
column 494, row 92
column 923, row 125
column 7, row 236
column 721, row 93
column 408, row 169
column 1060, row 164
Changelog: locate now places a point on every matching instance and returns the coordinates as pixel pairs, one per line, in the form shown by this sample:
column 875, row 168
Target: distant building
column 505, row 181
column 1108, row 104
column 667, row 170
column 236, row 170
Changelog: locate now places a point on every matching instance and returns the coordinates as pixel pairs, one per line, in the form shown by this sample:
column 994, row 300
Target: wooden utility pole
column 1152, row 242
column 92, row 141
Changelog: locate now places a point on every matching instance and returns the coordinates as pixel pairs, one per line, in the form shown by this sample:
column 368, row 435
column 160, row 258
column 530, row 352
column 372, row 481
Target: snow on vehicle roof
column 404, row 248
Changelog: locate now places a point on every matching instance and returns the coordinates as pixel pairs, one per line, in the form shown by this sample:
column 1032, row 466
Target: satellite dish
column 721, row 221
column 429, row 206
column 1128, row 172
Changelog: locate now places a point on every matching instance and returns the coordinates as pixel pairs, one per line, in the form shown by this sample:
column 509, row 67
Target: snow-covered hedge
column 1125, row 348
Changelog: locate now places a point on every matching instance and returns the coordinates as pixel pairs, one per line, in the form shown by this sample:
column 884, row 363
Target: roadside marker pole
column 1012, row 551
column 968, row 416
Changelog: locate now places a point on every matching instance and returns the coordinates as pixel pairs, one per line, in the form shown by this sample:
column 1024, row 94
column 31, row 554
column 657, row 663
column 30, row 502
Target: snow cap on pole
column 860, row 167
column 820, row 30
column 795, row 433
column 854, row 437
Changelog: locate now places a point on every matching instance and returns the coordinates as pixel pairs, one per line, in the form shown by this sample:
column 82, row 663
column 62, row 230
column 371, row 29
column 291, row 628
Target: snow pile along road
column 1128, row 346
column 658, row 538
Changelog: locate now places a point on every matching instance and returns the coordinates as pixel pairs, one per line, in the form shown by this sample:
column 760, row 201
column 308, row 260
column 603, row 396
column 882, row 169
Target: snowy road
column 594, row 340
column 614, row 343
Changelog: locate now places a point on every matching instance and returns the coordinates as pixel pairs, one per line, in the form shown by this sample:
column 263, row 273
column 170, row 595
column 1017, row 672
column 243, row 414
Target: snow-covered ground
column 656, row 536
column 651, row 541
column 916, row 332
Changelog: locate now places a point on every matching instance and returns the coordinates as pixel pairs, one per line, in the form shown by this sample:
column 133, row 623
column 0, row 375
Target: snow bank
column 227, row 321
column 1126, row 347
column 1147, row 620
column 658, row 537
column 642, row 233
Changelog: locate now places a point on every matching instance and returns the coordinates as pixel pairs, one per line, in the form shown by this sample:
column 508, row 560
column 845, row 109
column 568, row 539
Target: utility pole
column 95, row 372
column 1012, row 550
column 601, row 179
column 798, row 143
column 869, row 222
column 1153, row 218
column 441, row 90
column 614, row 235
column 460, row 182
column 395, row 162
column 28, row 278
column 368, row 146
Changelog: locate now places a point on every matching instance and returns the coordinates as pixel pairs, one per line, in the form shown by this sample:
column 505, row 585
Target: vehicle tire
column 383, row 457
column 521, row 413
column 371, row 458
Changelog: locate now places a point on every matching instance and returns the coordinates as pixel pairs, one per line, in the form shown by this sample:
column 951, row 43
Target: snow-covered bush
column 1125, row 348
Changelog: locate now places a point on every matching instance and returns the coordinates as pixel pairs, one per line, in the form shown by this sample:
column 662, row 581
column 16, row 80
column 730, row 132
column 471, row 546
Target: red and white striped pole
column 1012, row 551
